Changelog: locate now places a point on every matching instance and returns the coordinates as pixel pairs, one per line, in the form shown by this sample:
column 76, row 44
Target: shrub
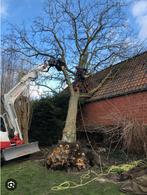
column 48, row 119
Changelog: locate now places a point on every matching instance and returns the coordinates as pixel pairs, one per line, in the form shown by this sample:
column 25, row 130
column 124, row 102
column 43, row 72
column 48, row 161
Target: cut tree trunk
column 69, row 131
column 68, row 154
column 22, row 107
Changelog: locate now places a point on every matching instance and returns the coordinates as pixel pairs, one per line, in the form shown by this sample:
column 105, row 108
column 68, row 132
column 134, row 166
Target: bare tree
column 83, row 34
column 9, row 73
column 12, row 69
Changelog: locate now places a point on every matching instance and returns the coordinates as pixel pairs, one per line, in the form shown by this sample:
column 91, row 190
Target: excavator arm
column 15, row 92
column 18, row 149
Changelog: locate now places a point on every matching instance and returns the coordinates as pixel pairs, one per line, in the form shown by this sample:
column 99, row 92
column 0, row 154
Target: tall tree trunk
column 69, row 131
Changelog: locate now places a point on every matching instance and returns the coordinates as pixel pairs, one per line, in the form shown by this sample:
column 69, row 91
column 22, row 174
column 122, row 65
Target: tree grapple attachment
column 57, row 63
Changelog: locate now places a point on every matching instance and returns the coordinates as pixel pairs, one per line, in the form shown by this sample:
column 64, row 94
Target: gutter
column 116, row 95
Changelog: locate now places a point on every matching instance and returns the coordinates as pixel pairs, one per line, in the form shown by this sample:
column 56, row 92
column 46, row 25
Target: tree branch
column 68, row 80
column 42, row 85
column 93, row 91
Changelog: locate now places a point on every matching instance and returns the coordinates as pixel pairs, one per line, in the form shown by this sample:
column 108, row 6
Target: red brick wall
column 110, row 111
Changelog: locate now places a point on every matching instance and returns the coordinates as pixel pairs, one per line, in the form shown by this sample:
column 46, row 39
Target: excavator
column 11, row 138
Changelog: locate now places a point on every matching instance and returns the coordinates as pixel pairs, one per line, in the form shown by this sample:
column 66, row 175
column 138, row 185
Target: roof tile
column 127, row 76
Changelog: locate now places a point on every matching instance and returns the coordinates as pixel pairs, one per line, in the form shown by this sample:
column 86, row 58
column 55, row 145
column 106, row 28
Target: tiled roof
column 127, row 77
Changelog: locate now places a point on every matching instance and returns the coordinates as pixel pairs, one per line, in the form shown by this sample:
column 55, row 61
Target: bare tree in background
column 9, row 72
column 83, row 34
column 12, row 70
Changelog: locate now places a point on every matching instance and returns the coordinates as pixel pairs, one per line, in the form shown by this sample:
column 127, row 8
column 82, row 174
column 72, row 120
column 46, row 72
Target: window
column 2, row 125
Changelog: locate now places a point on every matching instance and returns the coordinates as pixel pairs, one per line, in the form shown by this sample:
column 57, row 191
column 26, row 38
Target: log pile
column 67, row 156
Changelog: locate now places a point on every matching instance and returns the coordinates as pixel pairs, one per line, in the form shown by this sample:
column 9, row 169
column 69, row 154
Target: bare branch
column 100, row 84
column 43, row 85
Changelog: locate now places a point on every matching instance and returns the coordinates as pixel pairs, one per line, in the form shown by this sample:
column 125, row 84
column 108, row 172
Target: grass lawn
column 33, row 179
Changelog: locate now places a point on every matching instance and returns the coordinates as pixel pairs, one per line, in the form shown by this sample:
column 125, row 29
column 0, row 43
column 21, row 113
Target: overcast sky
column 24, row 11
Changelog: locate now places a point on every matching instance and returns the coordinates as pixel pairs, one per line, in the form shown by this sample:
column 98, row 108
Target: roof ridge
column 114, row 65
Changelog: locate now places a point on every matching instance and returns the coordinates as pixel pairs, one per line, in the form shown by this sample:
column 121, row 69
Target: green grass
column 33, row 179
column 123, row 167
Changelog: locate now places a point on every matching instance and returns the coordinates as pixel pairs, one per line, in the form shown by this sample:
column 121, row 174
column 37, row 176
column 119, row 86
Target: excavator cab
column 2, row 125
column 11, row 145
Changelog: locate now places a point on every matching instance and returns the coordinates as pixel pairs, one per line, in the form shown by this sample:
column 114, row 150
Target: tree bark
column 23, row 111
column 69, row 131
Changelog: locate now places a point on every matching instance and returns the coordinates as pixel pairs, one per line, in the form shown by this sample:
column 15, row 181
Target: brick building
column 122, row 96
